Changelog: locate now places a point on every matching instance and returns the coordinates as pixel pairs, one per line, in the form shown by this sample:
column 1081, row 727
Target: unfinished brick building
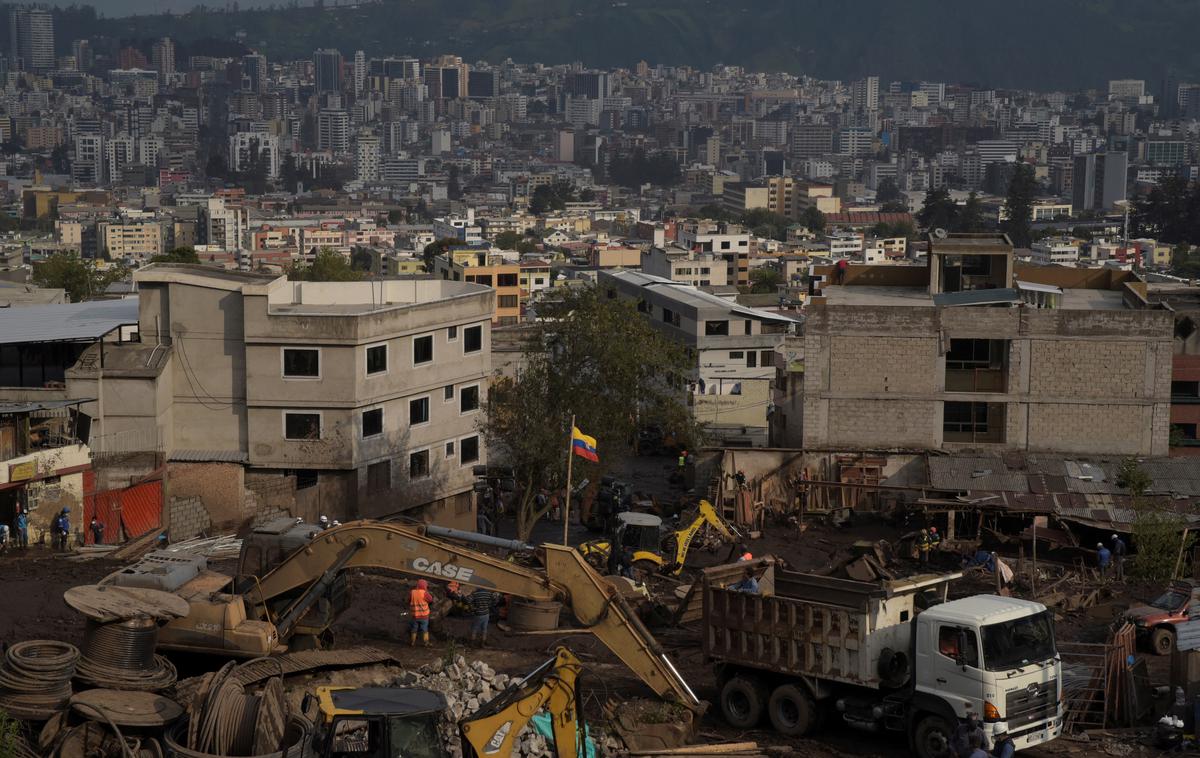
column 972, row 351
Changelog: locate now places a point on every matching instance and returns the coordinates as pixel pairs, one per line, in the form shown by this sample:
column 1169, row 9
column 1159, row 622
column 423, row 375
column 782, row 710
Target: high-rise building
column 360, row 72
column 254, row 72
column 81, row 50
column 565, row 146
column 162, row 55
column 1126, row 89
column 366, row 158
column 594, row 85
column 31, row 39
column 327, row 70
column 1098, row 181
column 333, row 131
column 484, row 83
column 447, row 78
column 866, row 94
column 811, row 140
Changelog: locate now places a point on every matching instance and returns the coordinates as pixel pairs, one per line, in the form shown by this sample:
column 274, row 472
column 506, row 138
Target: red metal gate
column 134, row 510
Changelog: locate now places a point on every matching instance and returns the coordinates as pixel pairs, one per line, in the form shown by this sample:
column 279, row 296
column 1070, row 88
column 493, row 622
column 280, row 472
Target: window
column 506, row 280
column 736, row 355
column 472, row 339
column 468, row 399
column 954, row 642
column 480, row 279
column 469, row 450
column 716, row 328
column 670, row 317
column 725, row 245
column 301, row 363
column 379, row 476
column 448, row 392
column 372, row 423
column 450, row 449
column 766, row 358
column 302, row 426
column 751, row 359
column 418, row 410
column 422, row 349
column 973, row 422
column 451, row 333
column 748, row 326
column 539, row 282
column 376, row 359
column 305, row 478
column 1185, row 390
column 418, row 464
column 507, row 301
column 1183, row 435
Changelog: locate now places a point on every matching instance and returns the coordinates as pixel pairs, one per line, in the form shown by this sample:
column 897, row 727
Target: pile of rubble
column 469, row 685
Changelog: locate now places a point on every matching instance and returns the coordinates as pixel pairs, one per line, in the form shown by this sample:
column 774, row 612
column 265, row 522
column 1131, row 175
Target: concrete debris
column 468, row 685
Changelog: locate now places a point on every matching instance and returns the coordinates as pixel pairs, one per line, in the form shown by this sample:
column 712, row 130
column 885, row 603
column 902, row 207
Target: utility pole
column 566, row 514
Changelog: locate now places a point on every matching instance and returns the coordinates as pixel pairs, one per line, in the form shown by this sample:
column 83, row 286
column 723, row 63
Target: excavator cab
column 377, row 722
column 639, row 531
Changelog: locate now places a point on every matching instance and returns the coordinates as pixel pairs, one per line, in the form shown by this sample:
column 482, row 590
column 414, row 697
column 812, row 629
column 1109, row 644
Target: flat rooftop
column 361, row 298
column 914, row 297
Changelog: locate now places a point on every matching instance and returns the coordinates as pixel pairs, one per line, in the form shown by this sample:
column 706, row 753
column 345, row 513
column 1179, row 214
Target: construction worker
column 935, row 539
column 746, row 555
column 748, row 583
column 967, row 732
column 323, row 522
column 482, row 602
column 22, row 529
column 682, row 461
column 1003, row 746
column 1103, row 558
column 418, row 609
column 60, row 530
column 96, row 526
column 1119, row 549
column 923, row 546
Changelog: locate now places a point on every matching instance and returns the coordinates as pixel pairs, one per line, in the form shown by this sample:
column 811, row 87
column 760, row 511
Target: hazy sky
column 136, row 7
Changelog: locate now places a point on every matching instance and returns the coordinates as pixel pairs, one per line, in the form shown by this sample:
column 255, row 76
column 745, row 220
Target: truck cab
column 993, row 656
column 377, row 722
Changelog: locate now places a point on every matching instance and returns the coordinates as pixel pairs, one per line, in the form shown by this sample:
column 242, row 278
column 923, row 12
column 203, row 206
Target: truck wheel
column 742, row 701
column 792, row 711
column 932, row 738
column 1162, row 641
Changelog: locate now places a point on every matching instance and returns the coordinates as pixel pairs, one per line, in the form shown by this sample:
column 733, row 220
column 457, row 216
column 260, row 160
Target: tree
column 177, row 255
column 395, row 216
column 551, row 197
column 1019, row 205
column 507, row 240
column 327, row 266
column 82, row 279
column 765, row 280
column 361, row 260
column 938, row 211
column 890, row 198
column 436, row 248
column 813, row 219
column 1156, row 528
column 970, row 217
column 596, row 358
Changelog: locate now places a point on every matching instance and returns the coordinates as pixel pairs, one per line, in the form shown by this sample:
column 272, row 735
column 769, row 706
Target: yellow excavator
column 641, row 533
column 401, row 722
column 260, row 615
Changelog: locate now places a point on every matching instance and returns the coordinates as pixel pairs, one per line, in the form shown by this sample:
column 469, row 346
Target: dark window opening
column 716, row 328
column 377, row 359
column 372, row 422
column 507, row 280
column 751, row 359
column 1183, row 435
column 448, row 392
column 305, row 478
column 302, row 426
column 452, row 333
column 418, row 464
column 468, row 399
column 450, row 449
column 1185, row 390
column 418, row 410
column 469, row 449
column 507, row 301
column 422, row 349
column 302, row 363
column 472, row 339
column 974, row 365
column 973, row 422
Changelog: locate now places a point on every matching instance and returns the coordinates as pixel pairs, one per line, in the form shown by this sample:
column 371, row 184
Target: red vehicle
column 1156, row 622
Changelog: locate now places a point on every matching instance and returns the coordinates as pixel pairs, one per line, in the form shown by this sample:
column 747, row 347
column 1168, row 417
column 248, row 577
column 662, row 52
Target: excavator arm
column 595, row 603
column 492, row 730
column 684, row 537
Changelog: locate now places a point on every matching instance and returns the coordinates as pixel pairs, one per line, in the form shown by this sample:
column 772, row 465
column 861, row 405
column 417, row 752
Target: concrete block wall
column 187, row 518
column 883, row 364
column 1091, row 428
column 1092, row 369
column 856, row 423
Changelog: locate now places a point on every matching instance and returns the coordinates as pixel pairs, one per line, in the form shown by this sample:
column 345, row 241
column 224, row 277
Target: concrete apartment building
column 973, row 352
column 734, row 347
column 348, row 398
column 728, row 241
column 682, row 265
column 130, row 240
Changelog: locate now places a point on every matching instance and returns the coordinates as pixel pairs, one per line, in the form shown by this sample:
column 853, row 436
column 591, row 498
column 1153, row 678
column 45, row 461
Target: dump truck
column 889, row 655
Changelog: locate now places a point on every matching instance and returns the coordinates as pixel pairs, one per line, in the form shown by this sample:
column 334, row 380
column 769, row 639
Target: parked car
column 1156, row 622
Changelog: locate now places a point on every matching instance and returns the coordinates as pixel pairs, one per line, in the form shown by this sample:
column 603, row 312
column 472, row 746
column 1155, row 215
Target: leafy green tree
column 177, row 255
column 970, row 216
column 765, row 280
column 327, row 266
column 81, row 278
column 507, row 240
column 1019, row 205
column 813, row 219
column 938, row 211
column 436, row 248
column 361, row 260
column 599, row 359
column 1156, row 528
column 890, row 198
column 551, row 197
column 395, row 216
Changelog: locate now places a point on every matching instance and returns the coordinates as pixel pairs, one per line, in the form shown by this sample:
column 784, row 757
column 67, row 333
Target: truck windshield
column 1171, row 600
column 1018, row 642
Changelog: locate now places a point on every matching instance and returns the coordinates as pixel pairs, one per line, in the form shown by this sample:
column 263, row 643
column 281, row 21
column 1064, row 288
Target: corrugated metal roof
column 66, row 322
column 41, row 405
column 208, row 456
column 963, row 473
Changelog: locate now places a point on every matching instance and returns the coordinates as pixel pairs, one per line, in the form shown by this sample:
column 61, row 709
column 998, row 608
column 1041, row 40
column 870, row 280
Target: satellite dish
column 940, row 233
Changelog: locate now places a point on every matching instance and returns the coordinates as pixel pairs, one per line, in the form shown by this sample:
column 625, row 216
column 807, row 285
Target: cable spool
column 119, row 655
column 35, row 678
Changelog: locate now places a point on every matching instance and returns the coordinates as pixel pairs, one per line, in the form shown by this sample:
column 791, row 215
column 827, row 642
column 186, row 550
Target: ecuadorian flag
column 583, row 445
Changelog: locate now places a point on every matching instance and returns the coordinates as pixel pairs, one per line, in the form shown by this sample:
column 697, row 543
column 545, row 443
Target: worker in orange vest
column 418, row 608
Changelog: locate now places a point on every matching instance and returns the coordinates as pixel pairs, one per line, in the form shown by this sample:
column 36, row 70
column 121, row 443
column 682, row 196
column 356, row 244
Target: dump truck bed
column 809, row 625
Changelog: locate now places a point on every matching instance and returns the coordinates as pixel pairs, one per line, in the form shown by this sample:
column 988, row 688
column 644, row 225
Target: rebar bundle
column 35, row 678
column 120, row 656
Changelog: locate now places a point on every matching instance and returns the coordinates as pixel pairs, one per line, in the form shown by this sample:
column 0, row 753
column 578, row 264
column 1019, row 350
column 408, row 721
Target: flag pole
column 566, row 513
